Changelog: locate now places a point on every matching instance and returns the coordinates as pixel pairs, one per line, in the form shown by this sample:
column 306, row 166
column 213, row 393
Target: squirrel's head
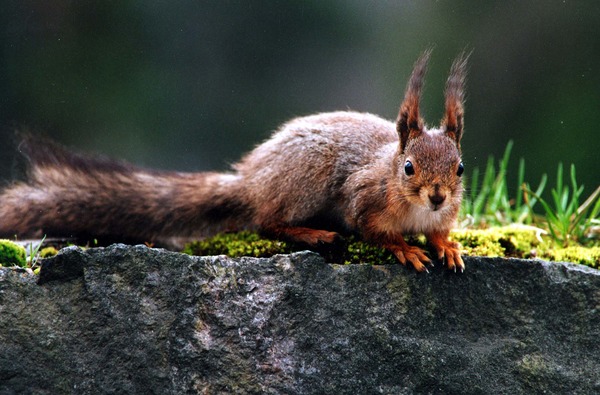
column 428, row 160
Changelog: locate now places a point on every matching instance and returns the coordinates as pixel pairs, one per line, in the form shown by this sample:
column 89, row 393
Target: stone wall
column 138, row 320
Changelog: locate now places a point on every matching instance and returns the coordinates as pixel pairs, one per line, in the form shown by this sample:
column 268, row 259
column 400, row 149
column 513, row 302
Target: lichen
column 12, row 254
column 534, row 371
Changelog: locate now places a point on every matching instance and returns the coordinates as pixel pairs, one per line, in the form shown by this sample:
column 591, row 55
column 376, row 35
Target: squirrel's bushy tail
column 72, row 195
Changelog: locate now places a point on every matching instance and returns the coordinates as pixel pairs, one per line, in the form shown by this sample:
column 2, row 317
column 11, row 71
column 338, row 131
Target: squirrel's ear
column 409, row 123
column 452, row 123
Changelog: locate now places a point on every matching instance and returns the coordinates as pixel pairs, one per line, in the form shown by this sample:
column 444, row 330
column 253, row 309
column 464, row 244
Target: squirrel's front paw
column 449, row 252
column 406, row 253
column 452, row 257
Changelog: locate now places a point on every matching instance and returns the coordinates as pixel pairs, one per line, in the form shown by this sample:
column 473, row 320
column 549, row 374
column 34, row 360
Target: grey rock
column 137, row 320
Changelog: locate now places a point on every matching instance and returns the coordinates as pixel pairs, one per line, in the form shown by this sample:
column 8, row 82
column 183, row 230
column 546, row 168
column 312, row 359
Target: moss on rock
column 479, row 242
column 589, row 256
column 47, row 252
column 238, row 244
column 12, row 254
column 357, row 251
column 510, row 241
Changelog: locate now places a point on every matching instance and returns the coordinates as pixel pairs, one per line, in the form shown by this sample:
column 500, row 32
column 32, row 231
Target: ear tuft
column 452, row 123
column 409, row 123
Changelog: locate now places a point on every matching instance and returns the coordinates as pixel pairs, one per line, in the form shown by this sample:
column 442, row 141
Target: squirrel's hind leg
column 302, row 235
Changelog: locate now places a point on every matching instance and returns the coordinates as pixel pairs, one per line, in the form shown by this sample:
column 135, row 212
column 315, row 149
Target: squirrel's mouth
column 437, row 199
column 435, row 207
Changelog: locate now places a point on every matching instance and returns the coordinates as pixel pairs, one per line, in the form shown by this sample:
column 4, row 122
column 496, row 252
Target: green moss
column 12, row 254
column 508, row 241
column 479, row 242
column 356, row 251
column 48, row 252
column 589, row 256
column 511, row 241
column 523, row 242
column 237, row 245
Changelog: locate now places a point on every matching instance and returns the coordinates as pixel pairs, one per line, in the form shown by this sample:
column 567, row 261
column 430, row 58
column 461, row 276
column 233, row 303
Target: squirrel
column 317, row 176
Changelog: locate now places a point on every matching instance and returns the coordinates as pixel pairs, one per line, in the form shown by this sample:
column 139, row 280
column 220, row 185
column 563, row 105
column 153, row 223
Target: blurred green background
column 192, row 85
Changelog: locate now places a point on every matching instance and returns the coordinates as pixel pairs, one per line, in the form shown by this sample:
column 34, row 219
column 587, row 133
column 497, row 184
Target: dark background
column 191, row 85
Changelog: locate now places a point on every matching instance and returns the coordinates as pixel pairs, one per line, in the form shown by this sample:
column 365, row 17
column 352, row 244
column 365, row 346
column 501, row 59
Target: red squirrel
column 344, row 171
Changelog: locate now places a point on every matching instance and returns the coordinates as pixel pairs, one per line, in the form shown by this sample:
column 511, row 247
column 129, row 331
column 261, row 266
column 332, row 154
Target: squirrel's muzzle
column 437, row 200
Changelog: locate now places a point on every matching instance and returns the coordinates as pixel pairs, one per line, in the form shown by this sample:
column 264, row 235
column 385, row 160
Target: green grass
column 487, row 202
column 567, row 220
column 34, row 254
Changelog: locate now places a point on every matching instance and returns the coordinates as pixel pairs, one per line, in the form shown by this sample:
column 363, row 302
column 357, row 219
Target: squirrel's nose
column 437, row 199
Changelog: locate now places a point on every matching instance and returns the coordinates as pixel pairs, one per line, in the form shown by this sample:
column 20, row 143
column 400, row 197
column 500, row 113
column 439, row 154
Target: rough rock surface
column 137, row 320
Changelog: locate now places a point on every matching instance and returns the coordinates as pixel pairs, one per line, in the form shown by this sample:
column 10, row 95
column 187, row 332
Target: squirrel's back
column 299, row 172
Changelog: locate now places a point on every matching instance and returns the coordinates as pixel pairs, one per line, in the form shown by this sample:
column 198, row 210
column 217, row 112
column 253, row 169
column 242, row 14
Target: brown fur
column 342, row 170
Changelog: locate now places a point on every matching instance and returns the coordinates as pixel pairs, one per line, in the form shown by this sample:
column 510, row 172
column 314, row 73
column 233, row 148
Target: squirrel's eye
column 408, row 168
column 461, row 169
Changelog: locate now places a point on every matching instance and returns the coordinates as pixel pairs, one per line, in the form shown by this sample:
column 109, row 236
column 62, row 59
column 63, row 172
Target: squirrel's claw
column 448, row 251
column 451, row 255
column 406, row 253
